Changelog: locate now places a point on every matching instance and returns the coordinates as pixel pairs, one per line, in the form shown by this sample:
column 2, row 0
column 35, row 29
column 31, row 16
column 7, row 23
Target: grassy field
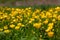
column 30, row 23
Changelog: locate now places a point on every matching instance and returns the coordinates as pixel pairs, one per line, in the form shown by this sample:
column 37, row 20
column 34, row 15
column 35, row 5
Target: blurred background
column 28, row 2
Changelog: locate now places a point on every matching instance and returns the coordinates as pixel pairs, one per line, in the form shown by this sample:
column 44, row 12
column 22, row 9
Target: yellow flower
column 19, row 24
column 5, row 27
column 26, row 9
column 1, row 17
column 54, row 20
column 1, row 29
column 42, row 15
column 23, row 25
column 17, row 9
column 7, row 31
column 33, row 15
column 28, row 14
column 37, row 10
column 48, row 14
column 12, row 26
column 15, row 20
column 50, row 27
column 37, row 25
column 29, row 7
column 13, row 9
column 58, row 17
column 50, row 24
column 56, row 12
column 5, row 16
column 36, row 16
column 17, row 27
column 55, row 15
column 19, row 17
column 50, row 34
column 13, row 13
column 46, row 21
column 57, row 8
column 50, row 10
column 40, row 20
column 7, row 8
column 30, row 21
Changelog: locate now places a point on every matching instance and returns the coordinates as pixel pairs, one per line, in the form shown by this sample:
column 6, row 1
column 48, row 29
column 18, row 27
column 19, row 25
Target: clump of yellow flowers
column 17, row 18
column 37, row 25
column 50, row 34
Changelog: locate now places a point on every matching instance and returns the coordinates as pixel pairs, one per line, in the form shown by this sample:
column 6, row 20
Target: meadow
column 30, row 23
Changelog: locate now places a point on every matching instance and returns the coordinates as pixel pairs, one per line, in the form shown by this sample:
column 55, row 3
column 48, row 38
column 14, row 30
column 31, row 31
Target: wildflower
column 7, row 31
column 17, row 27
column 48, row 29
column 56, row 12
column 29, row 7
column 33, row 15
column 15, row 20
column 5, row 27
column 46, row 21
column 48, row 14
column 23, row 25
column 30, row 21
column 1, row 29
column 19, row 24
column 36, row 16
column 50, row 10
column 37, row 25
column 17, row 9
column 42, row 15
column 50, row 34
column 58, row 17
column 5, row 16
column 57, row 8
column 37, row 11
column 13, row 9
column 54, row 20
column 1, row 17
column 54, row 15
column 50, row 24
column 12, row 26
